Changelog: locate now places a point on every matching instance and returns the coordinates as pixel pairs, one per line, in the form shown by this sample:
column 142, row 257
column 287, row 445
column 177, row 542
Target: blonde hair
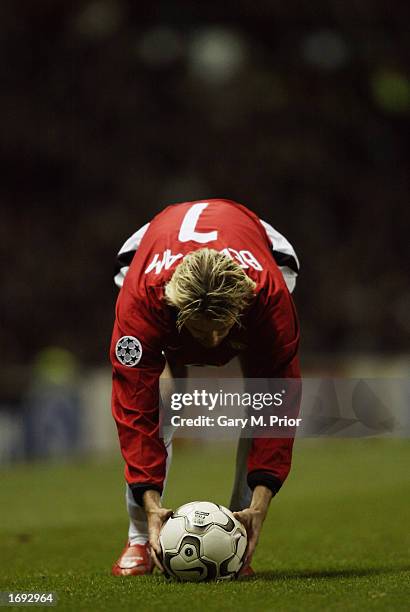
column 209, row 283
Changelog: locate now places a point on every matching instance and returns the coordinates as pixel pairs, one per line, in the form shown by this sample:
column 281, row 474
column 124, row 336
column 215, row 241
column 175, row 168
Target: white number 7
column 187, row 231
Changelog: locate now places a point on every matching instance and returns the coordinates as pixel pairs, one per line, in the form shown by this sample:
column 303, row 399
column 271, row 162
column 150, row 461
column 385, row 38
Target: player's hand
column 156, row 517
column 253, row 521
column 253, row 517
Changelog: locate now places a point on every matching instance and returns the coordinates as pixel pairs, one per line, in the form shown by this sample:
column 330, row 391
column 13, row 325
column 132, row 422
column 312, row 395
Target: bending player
column 201, row 283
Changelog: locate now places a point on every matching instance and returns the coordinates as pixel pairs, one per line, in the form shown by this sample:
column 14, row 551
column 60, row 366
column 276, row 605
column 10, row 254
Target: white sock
column 138, row 528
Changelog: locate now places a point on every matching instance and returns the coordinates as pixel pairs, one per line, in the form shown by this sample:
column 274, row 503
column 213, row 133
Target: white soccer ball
column 203, row 541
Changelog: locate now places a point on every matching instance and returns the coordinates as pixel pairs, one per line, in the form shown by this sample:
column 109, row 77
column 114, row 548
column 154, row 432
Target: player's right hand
column 156, row 517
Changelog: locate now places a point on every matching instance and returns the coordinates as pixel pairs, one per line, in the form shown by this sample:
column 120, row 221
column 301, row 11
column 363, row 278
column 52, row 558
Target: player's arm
column 135, row 407
column 269, row 463
column 269, row 459
column 135, row 398
column 135, row 395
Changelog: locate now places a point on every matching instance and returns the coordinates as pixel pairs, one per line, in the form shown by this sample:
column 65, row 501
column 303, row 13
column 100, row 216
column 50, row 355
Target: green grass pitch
column 337, row 536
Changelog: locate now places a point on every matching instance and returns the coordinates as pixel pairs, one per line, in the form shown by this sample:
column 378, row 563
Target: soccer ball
column 202, row 541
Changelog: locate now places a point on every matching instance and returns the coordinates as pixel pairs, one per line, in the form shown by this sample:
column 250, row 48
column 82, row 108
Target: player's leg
column 138, row 527
column 241, row 494
column 135, row 559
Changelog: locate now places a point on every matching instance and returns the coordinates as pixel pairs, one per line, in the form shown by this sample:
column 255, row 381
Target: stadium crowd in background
column 112, row 109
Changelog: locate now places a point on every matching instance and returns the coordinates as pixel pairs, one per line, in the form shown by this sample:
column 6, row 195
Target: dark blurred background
column 112, row 109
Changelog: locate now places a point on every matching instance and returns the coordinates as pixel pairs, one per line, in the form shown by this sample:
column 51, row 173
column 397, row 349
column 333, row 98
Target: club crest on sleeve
column 128, row 351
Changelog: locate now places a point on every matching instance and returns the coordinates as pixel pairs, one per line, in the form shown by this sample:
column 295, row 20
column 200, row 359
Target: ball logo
column 200, row 517
column 128, row 351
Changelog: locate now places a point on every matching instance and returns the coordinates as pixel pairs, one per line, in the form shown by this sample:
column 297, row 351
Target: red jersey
column 267, row 340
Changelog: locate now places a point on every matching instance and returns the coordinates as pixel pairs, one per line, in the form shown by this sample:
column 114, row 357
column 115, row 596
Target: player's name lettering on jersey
column 166, row 262
column 244, row 258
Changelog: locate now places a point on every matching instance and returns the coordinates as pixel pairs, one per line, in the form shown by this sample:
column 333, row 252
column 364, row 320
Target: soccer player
column 201, row 283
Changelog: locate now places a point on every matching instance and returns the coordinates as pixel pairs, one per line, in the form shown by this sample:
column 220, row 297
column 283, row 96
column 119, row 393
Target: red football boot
column 134, row 561
column 246, row 572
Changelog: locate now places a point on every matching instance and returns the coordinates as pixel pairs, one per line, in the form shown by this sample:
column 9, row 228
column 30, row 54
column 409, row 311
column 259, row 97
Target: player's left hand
column 252, row 520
